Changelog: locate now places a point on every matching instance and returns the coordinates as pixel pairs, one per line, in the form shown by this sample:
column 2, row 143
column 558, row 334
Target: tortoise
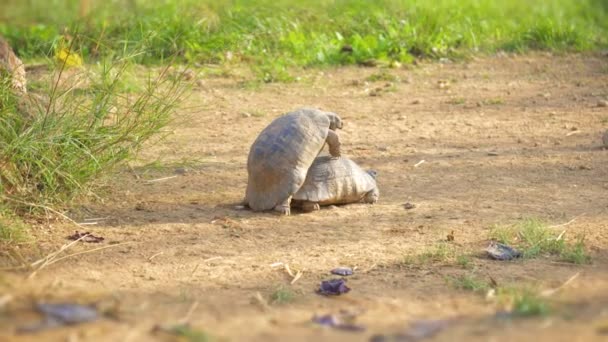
column 336, row 181
column 12, row 65
column 279, row 158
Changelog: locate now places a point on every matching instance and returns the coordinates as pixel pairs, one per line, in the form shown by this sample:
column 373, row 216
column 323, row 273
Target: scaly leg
column 284, row 208
column 333, row 140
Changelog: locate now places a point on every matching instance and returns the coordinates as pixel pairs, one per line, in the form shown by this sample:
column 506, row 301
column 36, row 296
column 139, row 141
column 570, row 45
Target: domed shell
column 280, row 157
column 335, row 181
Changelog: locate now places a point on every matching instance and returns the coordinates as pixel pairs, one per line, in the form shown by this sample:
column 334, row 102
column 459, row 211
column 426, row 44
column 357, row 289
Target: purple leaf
column 342, row 271
column 501, row 251
column 69, row 313
column 336, row 322
column 333, row 287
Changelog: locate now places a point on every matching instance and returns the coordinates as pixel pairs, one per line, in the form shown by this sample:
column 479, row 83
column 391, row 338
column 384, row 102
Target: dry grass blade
column 289, row 270
column 155, row 255
column 53, row 259
column 5, row 299
column 551, row 292
column 160, row 179
column 42, row 207
column 186, row 318
column 297, row 276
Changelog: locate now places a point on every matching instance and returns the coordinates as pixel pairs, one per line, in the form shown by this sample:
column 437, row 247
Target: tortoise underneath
column 336, row 181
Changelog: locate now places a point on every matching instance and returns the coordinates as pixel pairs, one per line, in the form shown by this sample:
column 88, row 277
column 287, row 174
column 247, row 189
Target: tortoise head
column 334, row 121
column 372, row 173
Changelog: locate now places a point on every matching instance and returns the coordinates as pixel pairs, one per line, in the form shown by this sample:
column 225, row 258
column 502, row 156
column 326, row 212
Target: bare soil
column 502, row 138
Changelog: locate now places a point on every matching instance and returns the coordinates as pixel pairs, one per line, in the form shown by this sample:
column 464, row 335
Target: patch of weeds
column 457, row 101
column 383, row 76
column 189, row 334
column 576, row 253
column 533, row 237
column 282, row 295
column 523, row 302
column 12, row 230
column 469, row 283
column 495, row 101
column 604, row 120
column 440, row 253
column 56, row 146
column 256, row 113
column 464, row 261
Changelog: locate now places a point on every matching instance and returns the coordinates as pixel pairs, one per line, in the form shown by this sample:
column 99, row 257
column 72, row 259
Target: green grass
column 442, row 252
column 464, row 261
column 273, row 36
column 55, row 148
column 12, row 230
column 469, row 282
column 534, row 238
column 524, row 302
column 576, row 253
column 189, row 334
column 282, row 295
column 383, row 76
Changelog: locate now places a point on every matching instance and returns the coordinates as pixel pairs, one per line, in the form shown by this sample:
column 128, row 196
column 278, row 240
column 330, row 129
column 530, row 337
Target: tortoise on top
column 281, row 155
column 336, row 181
column 12, row 65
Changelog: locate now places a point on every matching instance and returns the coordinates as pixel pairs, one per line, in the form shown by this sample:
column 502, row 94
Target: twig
column 298, row 276
column 419, row 163
column 213, row 258
column 567, row 223
column 263, row 303
column 43, row 207
column 370, row 268
column 155, row 255
column 186, row 318
column 289, row 271
column 50, row 262
column 96, row 219
column 159, row 179
column 53, row 255
column 5, row 299
column 572, row 133
column 550, row 292
column 194, row 270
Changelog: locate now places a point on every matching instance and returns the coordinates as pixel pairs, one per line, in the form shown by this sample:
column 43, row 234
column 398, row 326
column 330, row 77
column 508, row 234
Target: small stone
column 602, row 103
column 200, row 83
column 246, row 115
column 408, row 206
column 416, row 101
column 181, row 170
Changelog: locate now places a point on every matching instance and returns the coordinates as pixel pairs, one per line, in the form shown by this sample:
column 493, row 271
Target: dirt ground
column 502, row 138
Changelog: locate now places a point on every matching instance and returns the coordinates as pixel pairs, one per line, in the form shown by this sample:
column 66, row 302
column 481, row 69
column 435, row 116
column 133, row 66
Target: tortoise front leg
column 334, row 143
column 285, row 207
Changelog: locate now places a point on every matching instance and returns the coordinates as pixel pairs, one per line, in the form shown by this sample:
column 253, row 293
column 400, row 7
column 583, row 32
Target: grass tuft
column 282, row 295
column 523, row 302
column 534, row 238
column 469, row 283
column 60, row 140
column 12, row 230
